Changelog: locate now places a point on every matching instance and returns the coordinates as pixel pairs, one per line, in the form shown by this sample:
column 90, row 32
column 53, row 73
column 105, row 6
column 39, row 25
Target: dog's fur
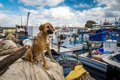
column 10, row 36
column 39, row 45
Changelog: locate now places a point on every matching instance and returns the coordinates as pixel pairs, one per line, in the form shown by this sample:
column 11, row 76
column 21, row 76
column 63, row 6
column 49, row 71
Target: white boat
column 72, row 40
column 111, row 46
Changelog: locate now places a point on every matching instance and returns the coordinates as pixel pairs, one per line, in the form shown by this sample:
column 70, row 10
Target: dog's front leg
column 44, row 60
column 50, row 54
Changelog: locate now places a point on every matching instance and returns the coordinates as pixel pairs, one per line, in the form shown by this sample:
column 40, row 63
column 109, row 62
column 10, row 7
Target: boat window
column 21, row 26
column 107, row 44
column 118, row 43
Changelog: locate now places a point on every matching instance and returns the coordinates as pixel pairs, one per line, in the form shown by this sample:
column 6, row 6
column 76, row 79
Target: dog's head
column 47, row 28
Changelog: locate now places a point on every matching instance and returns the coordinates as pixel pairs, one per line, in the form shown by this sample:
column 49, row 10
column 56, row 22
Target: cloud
column 112, row 14
column 53, row 2
column 111, row 7
column 2, row 16
column 25, row 10
column 94, row 12
column 114, row 6
column 58, row 16
column 62, row 15
column 66, row 16
column 10, row 20
column 41, row 2
column 81, row 5
column 1, row 5
column 109, row 4
column 32, row 2
column 104, row 2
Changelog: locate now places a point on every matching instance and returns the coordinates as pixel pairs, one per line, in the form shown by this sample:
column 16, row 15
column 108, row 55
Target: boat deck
column 62, row 49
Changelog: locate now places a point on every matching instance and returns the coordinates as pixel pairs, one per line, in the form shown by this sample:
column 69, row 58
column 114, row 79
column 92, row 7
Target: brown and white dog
column 40, row 44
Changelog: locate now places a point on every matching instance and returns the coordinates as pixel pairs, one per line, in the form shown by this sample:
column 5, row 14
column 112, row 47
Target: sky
column 72, row 13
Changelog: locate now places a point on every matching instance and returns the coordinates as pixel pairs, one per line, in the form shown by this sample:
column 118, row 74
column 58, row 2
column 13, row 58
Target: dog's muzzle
column 49, row 31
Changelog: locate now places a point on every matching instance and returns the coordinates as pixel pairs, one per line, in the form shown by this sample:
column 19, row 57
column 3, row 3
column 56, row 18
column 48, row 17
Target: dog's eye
column 47, row 26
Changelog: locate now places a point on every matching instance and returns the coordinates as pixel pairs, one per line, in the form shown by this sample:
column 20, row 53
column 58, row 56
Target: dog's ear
column 41, row 27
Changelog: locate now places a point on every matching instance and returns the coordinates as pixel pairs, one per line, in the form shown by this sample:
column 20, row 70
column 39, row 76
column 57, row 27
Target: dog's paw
column 46, row 67
column 24, row 58
column 54, row 61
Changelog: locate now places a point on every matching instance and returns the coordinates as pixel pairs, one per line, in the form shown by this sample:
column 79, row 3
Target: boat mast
column 21, row 19
column 27, row 23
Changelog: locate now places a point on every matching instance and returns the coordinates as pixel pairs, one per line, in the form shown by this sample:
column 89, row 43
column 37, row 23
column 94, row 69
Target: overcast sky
column 58, row 12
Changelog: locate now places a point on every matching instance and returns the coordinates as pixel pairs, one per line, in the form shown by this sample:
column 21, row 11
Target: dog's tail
column 24, row 57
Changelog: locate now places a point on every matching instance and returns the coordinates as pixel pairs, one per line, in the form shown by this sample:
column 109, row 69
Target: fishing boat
column 68, row 39
column 103, row 66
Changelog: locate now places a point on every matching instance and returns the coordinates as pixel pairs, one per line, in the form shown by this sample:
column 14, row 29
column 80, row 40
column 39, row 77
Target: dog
column 12, row 37
column 40, row 43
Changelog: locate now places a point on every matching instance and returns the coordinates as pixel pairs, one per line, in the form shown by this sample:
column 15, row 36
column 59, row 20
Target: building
column 6, row 30
column 1, row 30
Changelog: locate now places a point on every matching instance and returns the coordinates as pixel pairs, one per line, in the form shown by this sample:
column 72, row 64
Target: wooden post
column 89, row 49
column 8, row 51
column 7, row 61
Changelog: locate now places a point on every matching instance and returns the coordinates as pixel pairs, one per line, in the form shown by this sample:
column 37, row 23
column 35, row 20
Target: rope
column 50, row 76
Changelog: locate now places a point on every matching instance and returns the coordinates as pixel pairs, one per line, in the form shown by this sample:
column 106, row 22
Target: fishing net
column 24, row 70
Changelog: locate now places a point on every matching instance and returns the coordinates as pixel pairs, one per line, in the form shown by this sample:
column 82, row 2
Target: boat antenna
column 115, row 19
column 105, row 20
column 21, row 19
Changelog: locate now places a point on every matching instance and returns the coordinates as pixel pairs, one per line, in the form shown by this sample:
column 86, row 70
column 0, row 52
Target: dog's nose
column 50, row 31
